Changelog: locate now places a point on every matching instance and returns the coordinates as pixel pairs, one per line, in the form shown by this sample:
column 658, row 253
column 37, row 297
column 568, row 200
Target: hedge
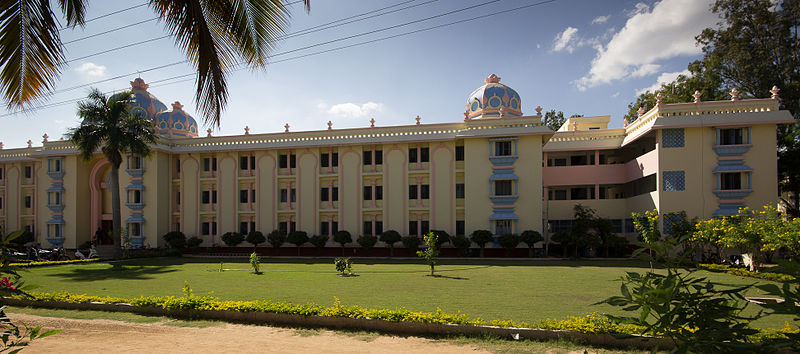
column 48, row 263
column 723, row 268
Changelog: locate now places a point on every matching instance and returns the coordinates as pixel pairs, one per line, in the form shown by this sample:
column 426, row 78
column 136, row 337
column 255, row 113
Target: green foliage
column 530, row 238
column 297, row 238
column 367, row 241
column 565, row 239
column 187, row 289
column 276, row 238
column 48, row 263
column 442, row 237
column 175, row 239
column 724, row 268
column 24, row 238
column 193, row 242
column 410, row 242
column 431, row 251
column 232, row 239
column 461, row 242
column 255, row 263
column 481, row 238
column 344, row 266
column 342, row 237
column 390, row 237
column 508, row 241
column 255, row 238
column 319, row 241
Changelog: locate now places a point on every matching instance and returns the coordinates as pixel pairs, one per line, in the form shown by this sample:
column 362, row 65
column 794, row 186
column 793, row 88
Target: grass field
column 516, row 290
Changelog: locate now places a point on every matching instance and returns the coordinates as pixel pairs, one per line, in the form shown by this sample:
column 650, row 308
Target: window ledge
column 503, row 199
column 503, row 160
column 137, row 206
column 732, row 193
column 732, row 150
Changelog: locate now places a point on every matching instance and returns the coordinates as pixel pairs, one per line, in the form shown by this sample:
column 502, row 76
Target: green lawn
column 516, row 290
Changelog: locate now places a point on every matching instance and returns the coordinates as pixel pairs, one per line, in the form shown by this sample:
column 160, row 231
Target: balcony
column 644, row 165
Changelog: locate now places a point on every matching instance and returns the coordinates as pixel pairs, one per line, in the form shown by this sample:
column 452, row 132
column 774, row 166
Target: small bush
column 342, row 237
column 255, row 263
column 276, row 238
column 343, row 266
column 442, row 237
column 461, row 242
column 390, row 237
column 255, row 238
column 298, row 238
column 232, row 239
column 410, row 242
column 193, row 242
column 481, row 238
column 508, row 241
column 367, row 241
column 530, row 238
column 319, row 241
column 175, row 239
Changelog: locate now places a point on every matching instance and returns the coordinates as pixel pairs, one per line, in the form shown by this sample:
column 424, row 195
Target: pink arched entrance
column 99, row 220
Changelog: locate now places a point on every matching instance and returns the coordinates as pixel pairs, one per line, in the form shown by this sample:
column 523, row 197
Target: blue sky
column 576, row 56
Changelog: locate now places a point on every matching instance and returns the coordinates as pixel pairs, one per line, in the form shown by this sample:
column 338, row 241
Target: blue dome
column 143, row 102
column 176, row 123
column 493, row 100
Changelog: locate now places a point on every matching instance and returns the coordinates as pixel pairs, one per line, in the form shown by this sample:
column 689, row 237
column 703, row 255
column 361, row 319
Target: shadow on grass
column 447, row 277
column 116, row 271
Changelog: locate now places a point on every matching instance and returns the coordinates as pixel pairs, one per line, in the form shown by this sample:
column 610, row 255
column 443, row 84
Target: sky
column 576, row 56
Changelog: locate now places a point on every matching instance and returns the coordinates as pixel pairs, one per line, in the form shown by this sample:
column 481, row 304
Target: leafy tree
column 216, row 36
column 410, row 242
column 255, row 238
column 319, row 241
column 193, row 242
column 509, row 242
column 554, row 120
column 367, row 241
column 481, row 238
column 232, row 239
column 342, row 237
column 276, row 238
column 530, row 238
column 431, row 251
column 442, row 237
column 297, row 238
column 565, row 239
column 109, row 126
column 255, row 263
column 390, row 237
column 647, row 226
column 344, row 266
column 461, row 242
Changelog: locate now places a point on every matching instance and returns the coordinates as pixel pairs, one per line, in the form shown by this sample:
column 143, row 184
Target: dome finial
column 139, row 84
column 492, row 79
column 177, row 106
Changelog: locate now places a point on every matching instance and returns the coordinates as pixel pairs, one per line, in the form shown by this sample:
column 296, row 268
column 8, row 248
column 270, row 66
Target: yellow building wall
column 477, row 171
column 528, row 168
column 190, row 194
column 395, row 188
column 307, row 191
column 763, row 158
column 442, row 189
column 350, row 190
column 266, row 187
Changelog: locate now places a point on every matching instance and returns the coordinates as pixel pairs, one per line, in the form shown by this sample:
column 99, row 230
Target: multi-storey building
column 498, row 169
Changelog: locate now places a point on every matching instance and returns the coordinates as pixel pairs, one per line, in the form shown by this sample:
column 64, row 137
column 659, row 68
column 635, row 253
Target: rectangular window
column 213, row 197
column 205, row 197
column 412, row 155
column 629, row 228
column 378, row 192
column 559, row 194
column 560, row 162
column 283, row 161
column 243, row 195
column 178, row 198
column 732, row 136
column 581, row 193
column 294, row 195
column 367, row 228
column 252, row 196
column 502, row 148
column 292, row 226
column 334, row 227
column 412, row 228
column 324, row 160
column 283, row 227
column 205, row 228
column 243, row 162
column 55, row 198
column 672, row 138
column 460, row 229
column 243, row 227
column 60, row 228
column 378, row 227
column 730, row 181
column 292, row 161
column 578, row 160
column 284, row 195
column 425, row 191
column 55, row 164
column 502, row 227
column 323, row 194
column 177, row 166
column 367, row 192
column 459, row 153
column 252, row 162
column 459, row 190
column 335, row 194
column 674, row 180
column 616, row 226
column 1, row 173
column 252, row 226
column 379, row 157
column 425, row 227
column 412, row 191
column 367, row 157
column 213, row 227
column 135, row 196
column 206, row 166
column 335, row 159
column 28, row 201
column 324, row 228
column 1, row 202
column 502, row 187
column 28, row 171
column 424, row 154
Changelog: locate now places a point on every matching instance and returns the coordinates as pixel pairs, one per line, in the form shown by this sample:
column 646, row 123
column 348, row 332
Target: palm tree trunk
column 116, row 213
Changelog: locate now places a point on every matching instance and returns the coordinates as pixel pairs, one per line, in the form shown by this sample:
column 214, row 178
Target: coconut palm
column 216, row 36
column 109, row 126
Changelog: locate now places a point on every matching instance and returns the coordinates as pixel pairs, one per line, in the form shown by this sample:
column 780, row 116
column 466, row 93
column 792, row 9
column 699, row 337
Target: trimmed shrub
column 276, row 238
column 342, row 237
column 390, row 237
column 508, row 241
column 344, row 266
column 481, row 238
column 442, row 237
column 530, row 238
column 461, row 242
column 255, row 238
column 410, row 242
column 297, row 238
column 193, row 242
column 232, row 239
column 175, row 239
column 367, row 241
column 319, row 241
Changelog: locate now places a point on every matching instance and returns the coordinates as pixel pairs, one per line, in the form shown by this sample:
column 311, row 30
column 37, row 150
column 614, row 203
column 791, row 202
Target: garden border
column 362, row 324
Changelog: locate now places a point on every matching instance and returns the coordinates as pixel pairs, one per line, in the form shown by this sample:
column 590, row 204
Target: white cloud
column 601, row 19
column 92, row 69
column 615, row 95
column 563, row 39
column 663, row 79
column 650, row 35
column 352, row 110
column 638, row 9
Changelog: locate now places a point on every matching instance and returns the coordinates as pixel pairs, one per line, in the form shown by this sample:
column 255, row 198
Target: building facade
column 498, row 170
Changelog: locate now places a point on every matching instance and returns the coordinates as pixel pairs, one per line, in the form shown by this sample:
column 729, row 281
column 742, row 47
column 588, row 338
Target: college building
column 493, row 168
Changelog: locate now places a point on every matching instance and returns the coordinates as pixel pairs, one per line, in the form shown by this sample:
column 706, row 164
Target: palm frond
column 75, row 10
column 30, row 50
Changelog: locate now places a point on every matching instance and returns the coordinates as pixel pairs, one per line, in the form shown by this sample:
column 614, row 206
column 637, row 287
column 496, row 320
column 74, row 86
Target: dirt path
column 108, row 336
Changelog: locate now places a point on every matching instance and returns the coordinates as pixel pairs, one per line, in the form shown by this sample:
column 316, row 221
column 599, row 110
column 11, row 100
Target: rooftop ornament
column 625, row 122
column 330, row 125
column 502, row 111
column 696, row 96
column 177, row 106
column 774, row 92
column 574, row 126
column 418, row 118
column 539, row 111
column 45, row 137
column 640, row 111
column 209, row 132
column 287, row 128
column 246, row 130
column 1, row 145
column 659, row 98
column 372, row 123
column 734, row 94
column 30, row 143
column 466, row 115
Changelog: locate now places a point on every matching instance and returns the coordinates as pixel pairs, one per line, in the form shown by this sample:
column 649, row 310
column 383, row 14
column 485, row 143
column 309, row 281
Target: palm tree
column 109, row 126
column 216, row 36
